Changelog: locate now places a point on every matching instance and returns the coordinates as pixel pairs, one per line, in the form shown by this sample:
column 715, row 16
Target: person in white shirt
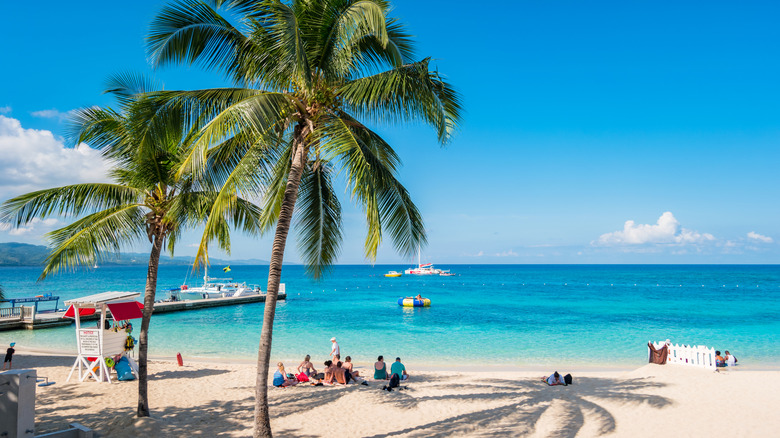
column 554, row 379
column 334, row 348
column 730, row 359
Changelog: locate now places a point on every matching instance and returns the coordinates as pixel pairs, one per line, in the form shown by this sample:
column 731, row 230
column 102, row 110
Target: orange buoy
column 179, row 359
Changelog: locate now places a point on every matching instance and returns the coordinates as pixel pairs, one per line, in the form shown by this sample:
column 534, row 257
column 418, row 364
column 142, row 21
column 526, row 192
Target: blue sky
column 580, row 116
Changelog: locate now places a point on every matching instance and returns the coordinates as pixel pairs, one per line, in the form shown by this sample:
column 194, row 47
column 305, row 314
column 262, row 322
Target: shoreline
column 213, row 399
column 418, row 365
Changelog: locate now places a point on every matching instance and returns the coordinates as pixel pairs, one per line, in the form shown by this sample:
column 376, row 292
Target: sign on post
column 89, row 342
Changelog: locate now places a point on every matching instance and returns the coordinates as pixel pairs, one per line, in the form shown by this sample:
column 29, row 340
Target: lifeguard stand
column 96, row 343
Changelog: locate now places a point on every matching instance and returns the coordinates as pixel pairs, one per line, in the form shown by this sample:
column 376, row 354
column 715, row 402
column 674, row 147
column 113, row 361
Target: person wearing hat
column 9, row 356
column 334, row 351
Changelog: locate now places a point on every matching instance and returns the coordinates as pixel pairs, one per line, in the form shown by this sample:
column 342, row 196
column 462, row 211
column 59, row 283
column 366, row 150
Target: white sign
column 89, row 340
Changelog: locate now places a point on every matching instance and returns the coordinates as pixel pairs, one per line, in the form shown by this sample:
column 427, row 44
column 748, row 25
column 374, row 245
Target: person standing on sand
column 9, row 356
column 334, row 349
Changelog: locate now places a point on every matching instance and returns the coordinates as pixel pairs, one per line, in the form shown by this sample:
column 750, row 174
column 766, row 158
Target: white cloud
column 755, row 236
column 5, row 109
column 35, row 159
column 52, row 114
column 509, row 253
column 34, row 224
column 666, row 230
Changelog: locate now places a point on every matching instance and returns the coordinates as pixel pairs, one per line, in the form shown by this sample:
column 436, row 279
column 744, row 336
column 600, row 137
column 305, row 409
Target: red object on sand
column 179, row 359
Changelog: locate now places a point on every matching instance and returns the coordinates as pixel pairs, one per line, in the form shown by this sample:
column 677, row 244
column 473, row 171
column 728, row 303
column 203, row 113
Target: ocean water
column 505, row 315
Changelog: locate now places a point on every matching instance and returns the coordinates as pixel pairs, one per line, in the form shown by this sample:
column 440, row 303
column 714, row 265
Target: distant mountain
column 22, row 254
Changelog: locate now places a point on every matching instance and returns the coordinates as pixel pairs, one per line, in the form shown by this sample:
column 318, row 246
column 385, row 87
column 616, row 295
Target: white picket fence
column 690, row 355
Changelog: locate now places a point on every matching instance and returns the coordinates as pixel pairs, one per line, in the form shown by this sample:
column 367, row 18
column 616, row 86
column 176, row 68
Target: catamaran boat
column 214, row 288
column 422, row 269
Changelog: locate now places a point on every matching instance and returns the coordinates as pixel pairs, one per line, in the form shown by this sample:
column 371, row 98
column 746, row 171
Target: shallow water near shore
column 503, row 315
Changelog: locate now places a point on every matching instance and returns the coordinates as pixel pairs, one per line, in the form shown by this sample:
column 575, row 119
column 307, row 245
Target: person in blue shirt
column 398, row 368
column 280, row 378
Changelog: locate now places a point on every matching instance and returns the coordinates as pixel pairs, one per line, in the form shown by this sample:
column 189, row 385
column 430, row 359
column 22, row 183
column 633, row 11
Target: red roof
column 70, row 313
column 126, row 310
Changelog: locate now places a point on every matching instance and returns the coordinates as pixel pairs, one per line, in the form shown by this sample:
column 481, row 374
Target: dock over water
column 29, row 319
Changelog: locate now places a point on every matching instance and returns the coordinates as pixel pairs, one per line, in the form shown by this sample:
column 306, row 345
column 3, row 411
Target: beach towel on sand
column 658, row 356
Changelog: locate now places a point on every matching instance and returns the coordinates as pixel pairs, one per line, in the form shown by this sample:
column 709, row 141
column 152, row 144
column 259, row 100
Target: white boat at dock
column 216, row 288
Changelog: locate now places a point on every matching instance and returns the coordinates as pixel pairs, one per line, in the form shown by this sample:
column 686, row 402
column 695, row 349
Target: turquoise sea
column 506, row 315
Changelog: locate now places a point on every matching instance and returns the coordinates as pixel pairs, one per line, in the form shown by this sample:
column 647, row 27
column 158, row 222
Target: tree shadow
column 188, row 374
column 529, row 407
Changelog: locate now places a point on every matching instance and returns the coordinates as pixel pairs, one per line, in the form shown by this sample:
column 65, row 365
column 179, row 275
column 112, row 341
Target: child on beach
column 9, row 356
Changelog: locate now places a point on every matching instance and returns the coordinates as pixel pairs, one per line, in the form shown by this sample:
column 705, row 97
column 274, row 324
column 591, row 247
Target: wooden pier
column 31, row 320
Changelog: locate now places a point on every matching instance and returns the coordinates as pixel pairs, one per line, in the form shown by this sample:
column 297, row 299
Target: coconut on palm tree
column 145, row 199
column 309, row 76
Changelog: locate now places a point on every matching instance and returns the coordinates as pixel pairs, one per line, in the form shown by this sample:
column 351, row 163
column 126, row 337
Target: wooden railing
column 690, row 355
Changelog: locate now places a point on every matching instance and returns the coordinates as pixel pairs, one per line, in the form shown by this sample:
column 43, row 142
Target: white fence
column 691, row 355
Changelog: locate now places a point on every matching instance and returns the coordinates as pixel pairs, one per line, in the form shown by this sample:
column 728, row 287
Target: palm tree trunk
column 262, row 419
column 143, row 337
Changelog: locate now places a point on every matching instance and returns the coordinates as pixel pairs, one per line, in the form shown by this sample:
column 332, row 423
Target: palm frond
column 92, row 238
column 192, row 31
column 410, row 92
column 319, row 220
column 68, row 200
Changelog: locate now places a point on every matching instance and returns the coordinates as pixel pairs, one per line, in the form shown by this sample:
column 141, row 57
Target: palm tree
column 306, row 72
column 145, row 200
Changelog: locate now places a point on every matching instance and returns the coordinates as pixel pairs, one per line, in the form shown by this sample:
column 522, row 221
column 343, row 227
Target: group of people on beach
column 337, row 371
column 728, row 360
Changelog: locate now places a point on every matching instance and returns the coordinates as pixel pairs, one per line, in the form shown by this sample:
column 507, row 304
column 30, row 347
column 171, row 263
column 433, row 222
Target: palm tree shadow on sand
column 529, row 407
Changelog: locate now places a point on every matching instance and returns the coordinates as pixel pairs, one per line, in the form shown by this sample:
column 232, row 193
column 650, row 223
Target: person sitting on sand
column 719, row 360
column 280, row 378
column 341, row 375
column 307, row 366
column 730, row 359
column 554, row 379
column 347, row 365
column 399, row 368
column 328, row 372
column 380, row 369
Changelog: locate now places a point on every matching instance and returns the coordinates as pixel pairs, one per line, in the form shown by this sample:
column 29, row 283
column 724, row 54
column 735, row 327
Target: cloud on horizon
column 758, row 237
column 35, row 159
column 666, row 231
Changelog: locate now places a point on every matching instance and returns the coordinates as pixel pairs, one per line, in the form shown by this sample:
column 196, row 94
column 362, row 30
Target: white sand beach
column 201, row 399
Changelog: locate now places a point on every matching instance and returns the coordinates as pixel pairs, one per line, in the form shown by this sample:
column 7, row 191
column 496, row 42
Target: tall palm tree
column 145, row 200
column 307, row 74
